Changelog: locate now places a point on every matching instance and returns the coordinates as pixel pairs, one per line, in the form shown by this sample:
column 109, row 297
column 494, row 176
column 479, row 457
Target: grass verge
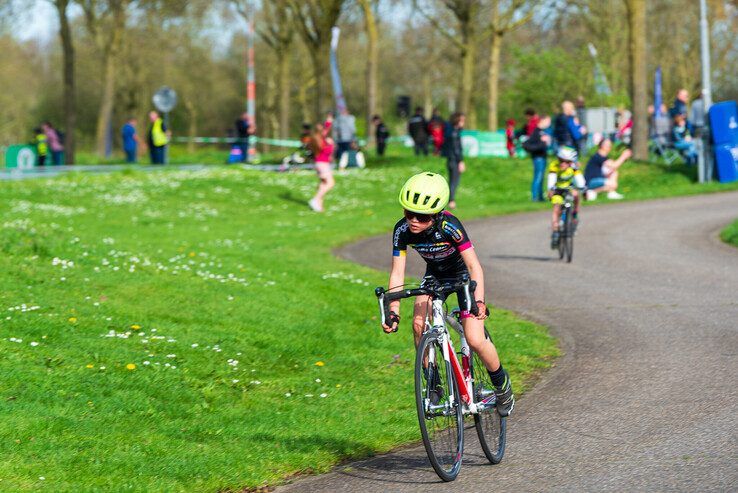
column 730, row 234
column 191, row 331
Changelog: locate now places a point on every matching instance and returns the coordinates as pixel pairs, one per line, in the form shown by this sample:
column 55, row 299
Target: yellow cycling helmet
column 425, row 193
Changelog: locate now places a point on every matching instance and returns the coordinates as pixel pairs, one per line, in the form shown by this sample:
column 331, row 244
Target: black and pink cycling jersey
column 440, row 245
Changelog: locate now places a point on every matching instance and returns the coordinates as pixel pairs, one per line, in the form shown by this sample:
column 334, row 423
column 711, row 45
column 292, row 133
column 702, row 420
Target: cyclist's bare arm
column 469, row 256
column 396, row 279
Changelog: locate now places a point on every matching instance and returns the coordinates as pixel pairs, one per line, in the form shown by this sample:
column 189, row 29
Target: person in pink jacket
column 55, row 144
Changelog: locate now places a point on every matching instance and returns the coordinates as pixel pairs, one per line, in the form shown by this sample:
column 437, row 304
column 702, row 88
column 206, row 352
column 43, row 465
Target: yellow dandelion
column 319, row 363
column 338, row 385
column 135, row 327
column 72, row 320
column 192, row 254
column 130, row 366
column 90, row 365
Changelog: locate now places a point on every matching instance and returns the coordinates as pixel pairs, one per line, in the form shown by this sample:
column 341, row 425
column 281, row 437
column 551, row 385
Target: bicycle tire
column 491, row 427
column 442, row 431
column 562, row 245
column 569, row 228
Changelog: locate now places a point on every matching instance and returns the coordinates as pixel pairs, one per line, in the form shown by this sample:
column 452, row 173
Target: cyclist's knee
column 418, row 324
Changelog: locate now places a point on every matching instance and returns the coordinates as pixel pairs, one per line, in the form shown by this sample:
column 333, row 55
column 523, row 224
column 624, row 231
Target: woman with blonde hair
column 321, row 145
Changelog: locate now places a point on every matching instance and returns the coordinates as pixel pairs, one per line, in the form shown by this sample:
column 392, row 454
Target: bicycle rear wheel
column 441, row 421
column 491, row 427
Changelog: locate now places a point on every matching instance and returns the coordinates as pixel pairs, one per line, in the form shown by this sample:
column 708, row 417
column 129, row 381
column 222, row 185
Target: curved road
column 645, row 397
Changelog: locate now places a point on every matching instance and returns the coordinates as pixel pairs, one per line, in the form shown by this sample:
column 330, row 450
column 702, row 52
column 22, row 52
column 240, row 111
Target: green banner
column 20, row 156
column 476, row 143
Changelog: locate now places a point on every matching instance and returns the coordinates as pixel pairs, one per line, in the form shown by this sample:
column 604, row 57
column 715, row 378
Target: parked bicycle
column 445, row 389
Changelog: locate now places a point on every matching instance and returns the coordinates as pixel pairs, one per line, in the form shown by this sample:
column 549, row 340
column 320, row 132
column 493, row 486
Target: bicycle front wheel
column 491, row 427
column 439, row 410
column 569, row 239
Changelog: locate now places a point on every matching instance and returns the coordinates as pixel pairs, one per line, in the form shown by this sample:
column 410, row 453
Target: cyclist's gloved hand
column 394, row 322
column 483, row 311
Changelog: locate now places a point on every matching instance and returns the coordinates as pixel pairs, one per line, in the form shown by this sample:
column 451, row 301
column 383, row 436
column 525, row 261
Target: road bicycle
column 446, row 390
column 566, row 225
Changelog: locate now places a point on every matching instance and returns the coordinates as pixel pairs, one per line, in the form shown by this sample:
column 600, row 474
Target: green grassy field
column 730, row 233
column 191, row 331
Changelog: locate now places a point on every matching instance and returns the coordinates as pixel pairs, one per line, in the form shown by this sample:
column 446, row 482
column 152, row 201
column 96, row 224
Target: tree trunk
column 372, row 62
column 494, row 80
column 468, row 58
column 109, row 51
column 70, row 107
column 106, row 106
column 284, row 93
column 321, row 70
column 638, row 76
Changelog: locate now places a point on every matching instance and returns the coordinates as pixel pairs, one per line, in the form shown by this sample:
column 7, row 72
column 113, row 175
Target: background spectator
column 568, row 131
column 454, row 155
column 244, row 129
column 417, row 128
column 157, row 138
column 381, row 134
column 624, row 122
column 510, row 136
column 437, row 129
column 55, row 143
column 537, row 146
column 601, row 173
column 344, row 132
column 42, row 147
column 682, row 139
column 531, row 123
column 681, row 102
column 130, row 140
column 322, row 146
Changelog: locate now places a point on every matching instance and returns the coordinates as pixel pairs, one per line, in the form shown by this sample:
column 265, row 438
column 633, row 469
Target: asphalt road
column 645, row 397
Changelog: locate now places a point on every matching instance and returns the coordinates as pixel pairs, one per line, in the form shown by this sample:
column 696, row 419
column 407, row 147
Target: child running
column 441, row 240
column 321, row 146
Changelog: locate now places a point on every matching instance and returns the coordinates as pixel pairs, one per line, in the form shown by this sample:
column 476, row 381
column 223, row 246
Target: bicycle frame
column 462, row 371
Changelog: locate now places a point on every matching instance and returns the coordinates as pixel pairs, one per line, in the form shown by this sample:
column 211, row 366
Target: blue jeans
column 157, row 154
column 536, row 186
column 688, row 151
column 57, row 157
column 130, row 154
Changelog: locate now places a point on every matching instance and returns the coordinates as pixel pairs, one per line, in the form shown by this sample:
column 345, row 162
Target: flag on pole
column 658, row 98
column 251, row 88
column 601, row 85
column 335, row 75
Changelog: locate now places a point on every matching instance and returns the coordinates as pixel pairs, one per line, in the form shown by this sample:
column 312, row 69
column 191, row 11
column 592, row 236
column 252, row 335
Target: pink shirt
column 324, row 156
column 53, row 138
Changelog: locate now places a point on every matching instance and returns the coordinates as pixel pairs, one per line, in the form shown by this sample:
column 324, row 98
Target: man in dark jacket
column 243, row 130
column 417, row 128
column 567, row 129
column 537, row 146
column 453, row 152
column 381, row 134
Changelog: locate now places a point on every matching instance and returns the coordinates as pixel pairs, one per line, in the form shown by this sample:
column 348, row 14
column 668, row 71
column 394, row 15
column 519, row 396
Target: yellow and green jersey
column 565, row 177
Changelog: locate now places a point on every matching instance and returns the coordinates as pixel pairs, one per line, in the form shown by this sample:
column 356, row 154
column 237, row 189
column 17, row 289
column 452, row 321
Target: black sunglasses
column 422, row 218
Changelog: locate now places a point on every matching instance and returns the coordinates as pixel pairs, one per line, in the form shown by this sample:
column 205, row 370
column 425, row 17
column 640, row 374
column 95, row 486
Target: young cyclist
column 442, row 242
column 561, row 175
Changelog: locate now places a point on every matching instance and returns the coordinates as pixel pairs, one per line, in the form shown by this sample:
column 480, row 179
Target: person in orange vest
column 158, row 138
